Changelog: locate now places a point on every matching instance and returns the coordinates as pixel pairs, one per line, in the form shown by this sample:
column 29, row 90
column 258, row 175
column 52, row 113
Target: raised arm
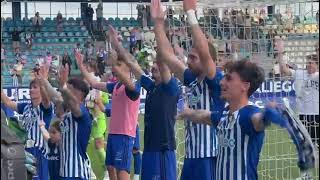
column 199, row 39
column 68, row 98
column 102, row 86
column 8, row 102
column 123, row 77
column 123, row 54
column 51, row 92
column 165, row 50
column 164, row 70
column 44, row 132
column 279, row 47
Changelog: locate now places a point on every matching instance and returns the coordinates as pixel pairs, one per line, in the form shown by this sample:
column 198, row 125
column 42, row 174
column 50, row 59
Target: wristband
column 191, row 17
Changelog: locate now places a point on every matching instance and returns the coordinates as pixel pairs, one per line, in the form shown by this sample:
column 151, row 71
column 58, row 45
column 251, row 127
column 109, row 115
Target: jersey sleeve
column 110, row 87
column 134, row 94
column 246, row 119
column 21, row 106
column 85, row 117
column 214, row 84
column 171, row 88
column 146, row 82
column 189, row 78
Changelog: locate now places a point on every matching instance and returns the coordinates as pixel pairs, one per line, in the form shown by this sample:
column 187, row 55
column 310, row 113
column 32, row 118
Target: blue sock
column 137, row 162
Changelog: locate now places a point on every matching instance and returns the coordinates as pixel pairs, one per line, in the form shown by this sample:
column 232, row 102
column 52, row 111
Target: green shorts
column 99, row 127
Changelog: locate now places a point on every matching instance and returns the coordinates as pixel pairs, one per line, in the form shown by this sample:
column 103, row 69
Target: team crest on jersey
column 193, row 99
column 193, row 94
column 225, row 142
column 64, row 128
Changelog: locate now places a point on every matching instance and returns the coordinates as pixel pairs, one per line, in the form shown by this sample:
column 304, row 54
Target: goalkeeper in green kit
column 97, row 154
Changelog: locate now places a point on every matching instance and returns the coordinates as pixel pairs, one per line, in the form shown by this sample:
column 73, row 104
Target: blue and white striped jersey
column 75, row 133
column 239, row 145
column 201, row 141
column 30, row 123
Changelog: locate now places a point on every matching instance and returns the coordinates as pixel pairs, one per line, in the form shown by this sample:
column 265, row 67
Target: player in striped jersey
column 39, row 108
column 202, row 80
column 75, row 128
column 240, row 125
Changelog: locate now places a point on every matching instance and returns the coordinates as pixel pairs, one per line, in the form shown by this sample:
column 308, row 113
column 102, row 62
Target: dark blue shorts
column 200, row 168
column 159, row 165
column 119, row 151
column 136, row 145
column 42, row 163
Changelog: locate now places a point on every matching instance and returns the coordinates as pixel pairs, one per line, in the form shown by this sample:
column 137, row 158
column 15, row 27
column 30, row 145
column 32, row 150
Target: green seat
column 39, row 40
column 72, row 40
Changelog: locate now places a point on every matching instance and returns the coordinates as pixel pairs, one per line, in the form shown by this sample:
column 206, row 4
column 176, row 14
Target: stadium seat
column 70, row 34
column 123, row 29
column 71, row 19
column 62, row 34
column 38, row 35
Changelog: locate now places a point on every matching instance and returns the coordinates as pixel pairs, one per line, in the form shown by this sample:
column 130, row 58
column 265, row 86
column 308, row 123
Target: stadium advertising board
column 269, row 91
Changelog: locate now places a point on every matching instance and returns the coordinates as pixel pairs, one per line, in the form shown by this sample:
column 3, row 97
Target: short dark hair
column 79, row 85
column 56, row 124
column 248, row 72
column 313, row 57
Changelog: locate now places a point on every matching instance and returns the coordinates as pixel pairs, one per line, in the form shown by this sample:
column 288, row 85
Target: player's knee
column 123, row 175
column 111, row 169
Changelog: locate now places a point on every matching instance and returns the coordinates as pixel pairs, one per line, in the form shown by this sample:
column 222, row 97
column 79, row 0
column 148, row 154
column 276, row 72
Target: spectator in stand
column 16, row 73
column 240, row 24
column 139, row 38
column 133, row 41
column 78, row 48
column 3, row 59
column 88, row 52
column 59, row 22
column 29, row 40
column 66, row 60
column 17, row 53
column 148, row 12
column 140, row 13
column 15, row 34
column 89, row 14
column 37, row 22
column 48, row 58
column 99, row 12
column 170, row 13
column 101, row 58
column 278, row 17
column 144, row 17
